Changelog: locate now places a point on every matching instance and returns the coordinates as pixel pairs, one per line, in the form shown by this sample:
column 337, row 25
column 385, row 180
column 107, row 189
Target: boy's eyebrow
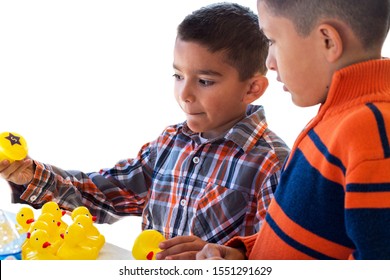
column 208, row 72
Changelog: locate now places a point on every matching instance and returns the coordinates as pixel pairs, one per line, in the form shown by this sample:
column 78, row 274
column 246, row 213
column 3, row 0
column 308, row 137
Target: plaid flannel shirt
column 181, row 186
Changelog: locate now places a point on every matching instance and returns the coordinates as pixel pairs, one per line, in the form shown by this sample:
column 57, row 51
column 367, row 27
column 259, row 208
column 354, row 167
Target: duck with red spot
column 52, row 207
column 74, row 247
column 52, row 229
column 82, row 210
column 24, row 218
column 94, row 237
column 40, row 245
column 26, row 247
column 146, row 245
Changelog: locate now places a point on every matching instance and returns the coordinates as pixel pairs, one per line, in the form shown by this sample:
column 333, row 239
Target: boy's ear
column 257, row 87
column 332, row 42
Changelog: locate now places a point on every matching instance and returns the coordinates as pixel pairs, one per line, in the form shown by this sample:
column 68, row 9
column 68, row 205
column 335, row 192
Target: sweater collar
column 358, row 83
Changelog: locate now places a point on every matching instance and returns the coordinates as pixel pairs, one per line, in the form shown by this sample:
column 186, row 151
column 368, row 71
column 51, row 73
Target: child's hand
column 220, row 252
column 19, row 172
column 180, row 248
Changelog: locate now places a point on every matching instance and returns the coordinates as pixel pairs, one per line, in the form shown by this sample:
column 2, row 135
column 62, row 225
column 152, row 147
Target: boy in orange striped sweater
column 333, row 199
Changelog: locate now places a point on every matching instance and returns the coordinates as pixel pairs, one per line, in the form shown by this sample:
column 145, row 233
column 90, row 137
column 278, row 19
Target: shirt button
column 183, row 202
column 195, row 160
column 33, row 198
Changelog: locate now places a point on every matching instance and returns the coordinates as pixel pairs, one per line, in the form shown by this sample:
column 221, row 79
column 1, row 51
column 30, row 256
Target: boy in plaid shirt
column 207, row 179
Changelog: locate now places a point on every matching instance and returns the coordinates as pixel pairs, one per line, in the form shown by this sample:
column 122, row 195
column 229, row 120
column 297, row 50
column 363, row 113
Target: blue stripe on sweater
column 384, row 187
column 324, row 150
column 293, row 243
column 312, row 201
column 381, row 128
column 369, row 227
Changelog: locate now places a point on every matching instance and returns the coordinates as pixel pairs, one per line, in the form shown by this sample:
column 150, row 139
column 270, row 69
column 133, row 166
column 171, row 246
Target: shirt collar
column 245, row 133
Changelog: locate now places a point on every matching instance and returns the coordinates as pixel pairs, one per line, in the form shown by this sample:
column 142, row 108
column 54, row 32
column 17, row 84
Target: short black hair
column 368, row 19
column 230, row 28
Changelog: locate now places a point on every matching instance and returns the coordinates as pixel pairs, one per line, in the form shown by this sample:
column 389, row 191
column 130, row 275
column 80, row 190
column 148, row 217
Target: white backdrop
column 87, row 83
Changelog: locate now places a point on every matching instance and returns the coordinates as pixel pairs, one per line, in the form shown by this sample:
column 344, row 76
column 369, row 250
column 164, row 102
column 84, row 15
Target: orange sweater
column 333, row 199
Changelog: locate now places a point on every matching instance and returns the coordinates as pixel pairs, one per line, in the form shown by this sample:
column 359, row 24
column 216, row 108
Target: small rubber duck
column 24, row 218
column 82, row 210
column 52, row 229
column 39, row 244
column 94, row 237
column 53, row 208
column 146, row 245
column 73, row 248
column 37, row 225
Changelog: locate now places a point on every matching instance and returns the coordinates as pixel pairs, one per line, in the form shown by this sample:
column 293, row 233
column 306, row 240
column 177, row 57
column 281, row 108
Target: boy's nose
column 186, row 94
column 270, row 62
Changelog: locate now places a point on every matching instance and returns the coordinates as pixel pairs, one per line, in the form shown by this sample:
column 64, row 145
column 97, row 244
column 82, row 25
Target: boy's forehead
column 262, row 12
column 198, row 51
column 196, row 58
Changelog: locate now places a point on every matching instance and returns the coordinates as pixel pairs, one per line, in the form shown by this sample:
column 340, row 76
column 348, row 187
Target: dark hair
column 368, row 19
column 230, row 28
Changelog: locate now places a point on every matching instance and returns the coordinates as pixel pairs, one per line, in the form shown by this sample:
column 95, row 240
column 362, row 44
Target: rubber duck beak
column 46, row 244
column 62, row 235
column 149, row 256
column 63, row 212
column 94, row 218
column 28, row 235
column 58, row 223
column 29, row 221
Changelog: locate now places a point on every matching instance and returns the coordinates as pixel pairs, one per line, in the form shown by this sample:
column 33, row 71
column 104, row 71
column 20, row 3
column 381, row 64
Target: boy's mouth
column 284, row 86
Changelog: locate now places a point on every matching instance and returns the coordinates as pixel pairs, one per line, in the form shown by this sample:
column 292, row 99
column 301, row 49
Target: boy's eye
column 206, row 82
column 177, row 77
column 270, row 42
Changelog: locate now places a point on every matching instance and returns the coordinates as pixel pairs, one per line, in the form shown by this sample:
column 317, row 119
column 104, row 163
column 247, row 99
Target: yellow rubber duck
column 39, row 244
column 82, row 210
column 12, row 146
column 52, row 229
column 26, row 248
column 94, row 237
column 146, row 245
column 53, row 208
column 24, row 218
column 73, row 248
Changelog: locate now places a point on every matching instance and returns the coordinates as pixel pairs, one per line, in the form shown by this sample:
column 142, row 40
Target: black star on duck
column 13, row 139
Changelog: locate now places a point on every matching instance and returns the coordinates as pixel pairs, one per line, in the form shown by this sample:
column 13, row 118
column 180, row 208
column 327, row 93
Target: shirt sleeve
column 109, row 194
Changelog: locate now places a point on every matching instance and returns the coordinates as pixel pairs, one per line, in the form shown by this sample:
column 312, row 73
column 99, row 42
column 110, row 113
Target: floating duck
column 24, row 218
column 53, row 208
column 146, row 245
column 12, row 147
column 73, row 248
column 94, row 238
column 82, row 210
column 39, row 244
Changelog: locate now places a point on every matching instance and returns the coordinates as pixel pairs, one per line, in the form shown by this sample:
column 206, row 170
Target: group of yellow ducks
column 50, row 238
